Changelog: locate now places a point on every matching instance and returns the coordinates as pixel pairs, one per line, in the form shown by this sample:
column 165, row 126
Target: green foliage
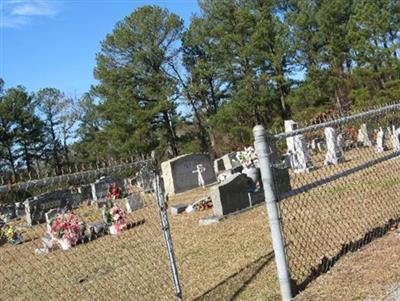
column 239, row 63
column 137, row 93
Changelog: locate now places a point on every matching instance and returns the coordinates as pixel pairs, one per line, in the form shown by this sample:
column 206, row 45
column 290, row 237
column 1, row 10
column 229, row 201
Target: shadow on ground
column 231, row 287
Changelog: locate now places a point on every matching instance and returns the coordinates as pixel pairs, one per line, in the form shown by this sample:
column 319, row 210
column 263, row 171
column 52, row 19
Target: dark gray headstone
column 134, row 202
column 101, row 187
column 179, row 174
column 86, row 192
column 231, row 195
column 256, row 198
column 36, row 207
column 281, row 179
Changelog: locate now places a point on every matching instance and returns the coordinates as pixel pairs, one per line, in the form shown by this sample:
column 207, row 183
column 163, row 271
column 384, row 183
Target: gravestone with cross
column 178, row 173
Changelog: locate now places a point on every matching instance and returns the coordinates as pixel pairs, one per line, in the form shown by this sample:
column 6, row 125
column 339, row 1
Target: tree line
column 164, row 87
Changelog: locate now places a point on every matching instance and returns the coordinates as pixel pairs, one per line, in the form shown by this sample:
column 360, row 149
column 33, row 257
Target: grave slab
column 178, row 208
column 213, row 219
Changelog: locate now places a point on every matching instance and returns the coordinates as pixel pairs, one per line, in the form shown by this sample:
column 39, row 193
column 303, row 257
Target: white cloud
column 18, row 13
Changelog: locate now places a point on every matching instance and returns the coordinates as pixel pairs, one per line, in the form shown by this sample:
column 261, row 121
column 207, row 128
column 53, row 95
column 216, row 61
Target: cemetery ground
column 372, row 273
column 231, row 259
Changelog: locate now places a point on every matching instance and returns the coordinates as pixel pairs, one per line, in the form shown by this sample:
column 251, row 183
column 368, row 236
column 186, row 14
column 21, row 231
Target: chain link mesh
column 132, row 265
column 336, row 208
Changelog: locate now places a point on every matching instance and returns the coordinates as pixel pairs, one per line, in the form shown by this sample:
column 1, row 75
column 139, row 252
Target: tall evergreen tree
column 51, row 103
column 29, row 135
column 136, row 89
column 7, row 130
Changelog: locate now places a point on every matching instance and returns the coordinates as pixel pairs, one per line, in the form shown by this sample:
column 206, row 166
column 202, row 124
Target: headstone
column 226, row 162
column 19, row 209
column 101, row 187
column 178, row 173
column 290, row 126
column 178, row 208
column 380, row 141
column 256, row 197
column 299, row 157
column 395, row 139
column 51, row 214
column 301, row 160
column 86, row 192
column 231, row 195
column 364, row 135
column 340, row 142
column 145, row 179
column 281, row 179
column 134, row 202
column 36, row 207
column 333, row 154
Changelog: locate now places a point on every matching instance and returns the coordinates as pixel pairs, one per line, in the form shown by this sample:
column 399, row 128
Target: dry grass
column 372, row 273
column 321, row 223
column 230, row 260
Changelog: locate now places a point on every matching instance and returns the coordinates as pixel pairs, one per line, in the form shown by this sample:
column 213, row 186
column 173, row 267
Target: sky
column 54, row 43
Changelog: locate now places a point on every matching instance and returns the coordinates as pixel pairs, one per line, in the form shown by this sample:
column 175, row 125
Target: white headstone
column 297, row 150
column 290, row 126
column 380, row 141
column 333, row 154
column 395, row 139
column 364, row 135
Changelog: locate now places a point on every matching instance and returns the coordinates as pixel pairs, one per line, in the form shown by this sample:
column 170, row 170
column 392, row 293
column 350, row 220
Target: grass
column 230, row 260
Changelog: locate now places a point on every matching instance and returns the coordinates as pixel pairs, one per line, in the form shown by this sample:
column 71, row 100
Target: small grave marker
column 134, row 202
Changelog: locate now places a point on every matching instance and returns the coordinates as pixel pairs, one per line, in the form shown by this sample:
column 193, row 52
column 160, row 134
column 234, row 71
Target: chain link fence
column 337, row 185
column 135, row 264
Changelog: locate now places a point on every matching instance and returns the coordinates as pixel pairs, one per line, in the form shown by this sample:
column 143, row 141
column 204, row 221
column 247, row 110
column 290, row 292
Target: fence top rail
column 38, row 183
column 339, row 121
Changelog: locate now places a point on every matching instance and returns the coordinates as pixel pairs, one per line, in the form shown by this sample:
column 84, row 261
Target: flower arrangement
column 200, row 205
column 114, row 192
column 247, row 157
column 114, row 217
column 66, row 229
column 10, row 233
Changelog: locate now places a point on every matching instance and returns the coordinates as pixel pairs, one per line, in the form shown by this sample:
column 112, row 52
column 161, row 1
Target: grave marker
column 231, row 195
column 178, row 173
column 333, row 154
column 36, row 207
column 364, row 135
column 134, row 202
column 380, row 141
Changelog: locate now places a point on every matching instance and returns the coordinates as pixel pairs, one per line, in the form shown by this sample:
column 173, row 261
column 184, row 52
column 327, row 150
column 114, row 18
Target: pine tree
column 137, row 92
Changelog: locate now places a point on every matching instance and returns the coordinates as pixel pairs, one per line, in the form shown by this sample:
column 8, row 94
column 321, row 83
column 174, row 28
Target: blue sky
column 54, row 43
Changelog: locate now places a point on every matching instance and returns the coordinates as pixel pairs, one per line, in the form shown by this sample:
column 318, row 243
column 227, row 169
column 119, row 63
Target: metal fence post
column 263, row 153
column 159, row 191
